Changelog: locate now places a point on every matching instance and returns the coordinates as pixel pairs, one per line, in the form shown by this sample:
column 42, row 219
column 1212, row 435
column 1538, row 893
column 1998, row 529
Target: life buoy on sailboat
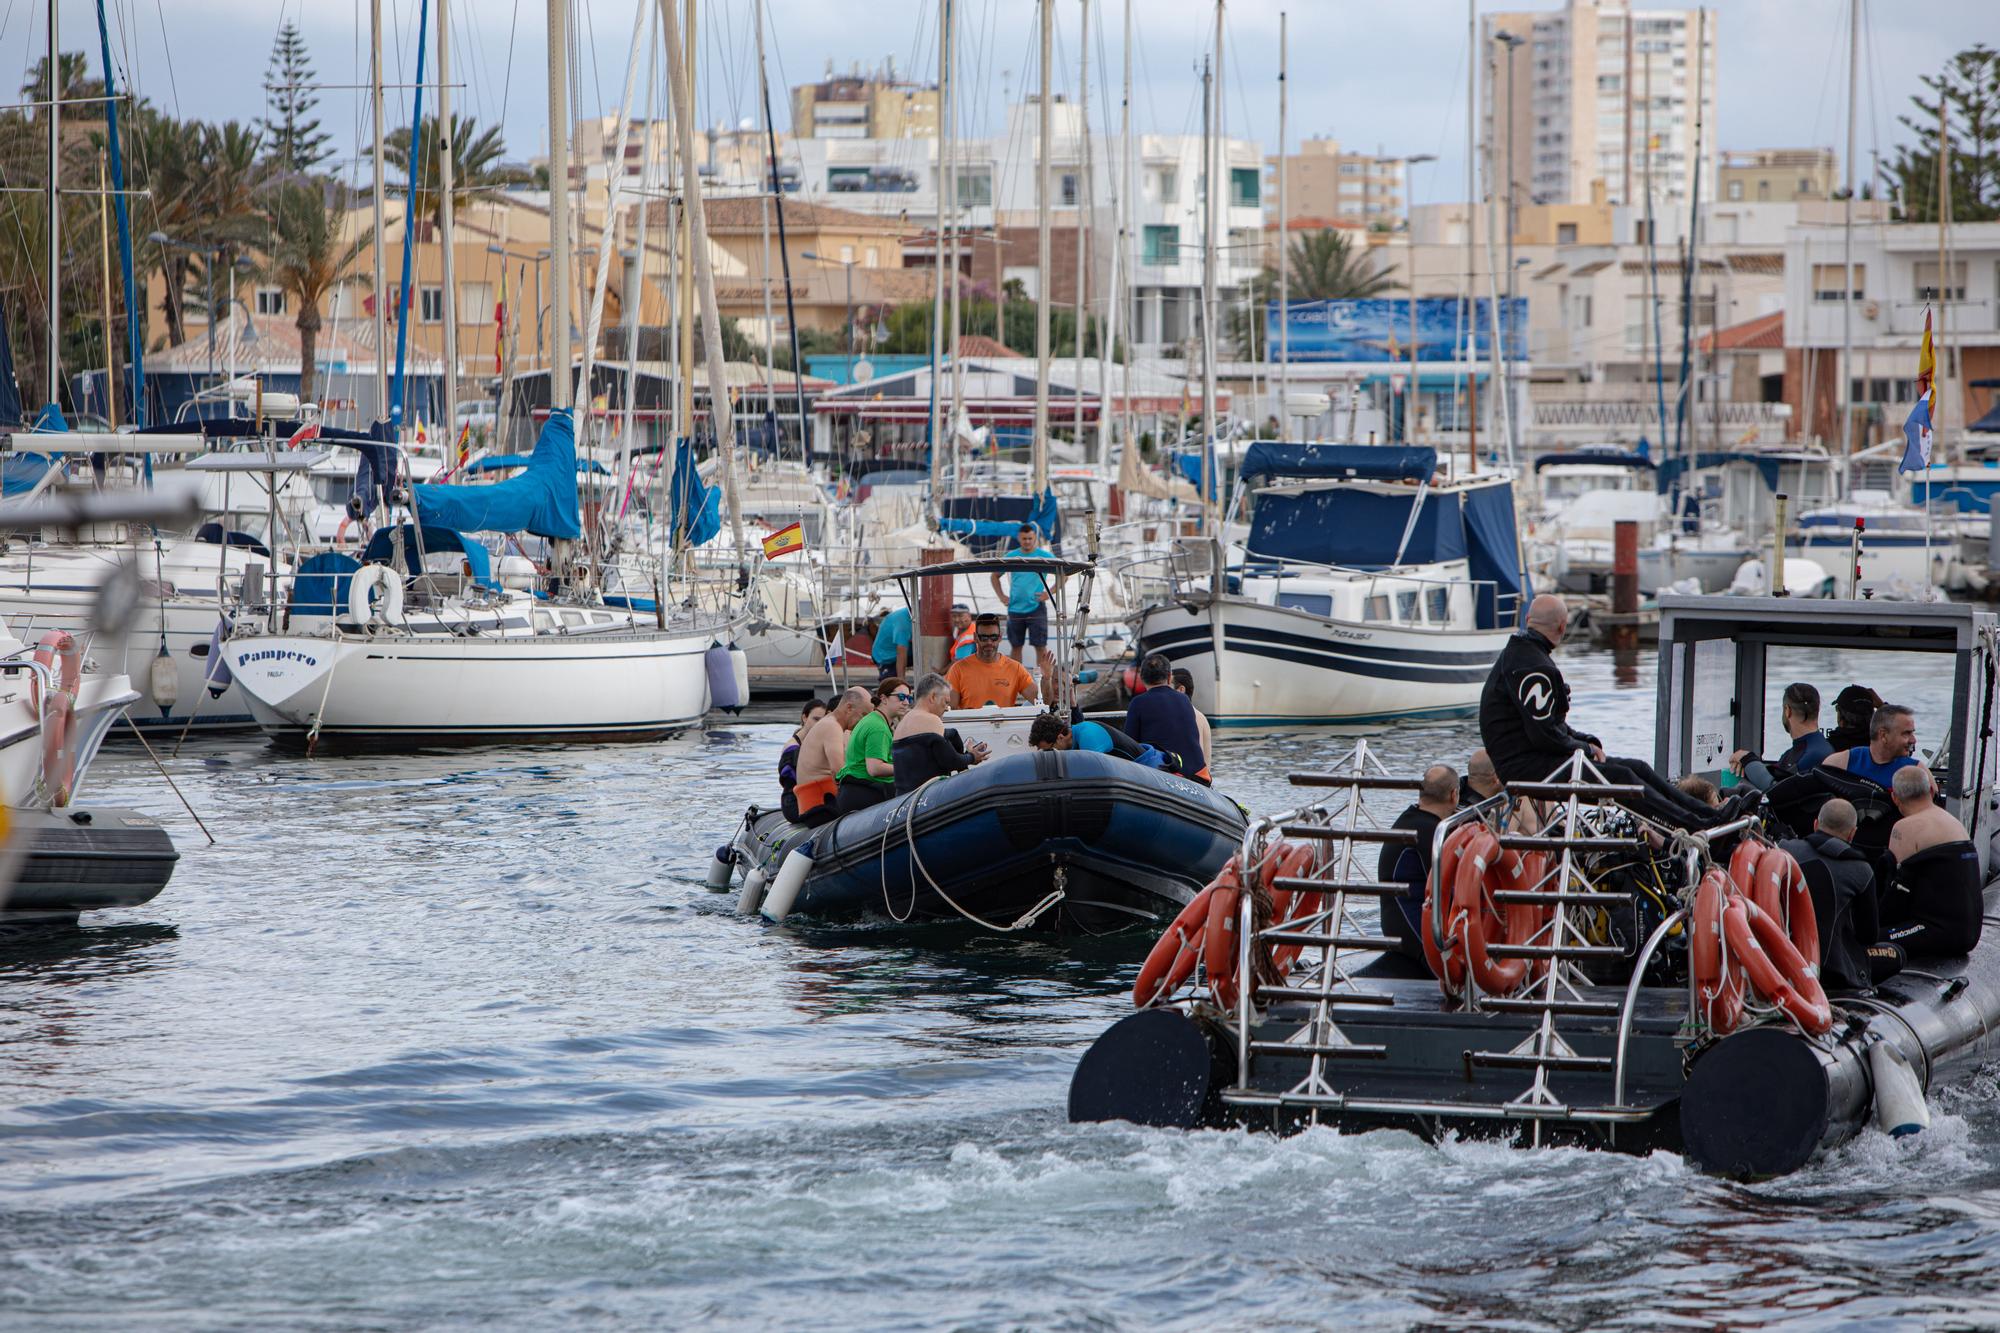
column 365, row 581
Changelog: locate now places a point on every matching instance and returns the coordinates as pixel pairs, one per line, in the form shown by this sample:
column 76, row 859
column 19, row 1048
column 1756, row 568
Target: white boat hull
column 1283, row 667
column 100, row 698
column 388, row 690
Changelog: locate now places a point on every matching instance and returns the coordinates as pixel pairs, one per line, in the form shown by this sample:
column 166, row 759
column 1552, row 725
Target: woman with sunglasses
column 869, row 775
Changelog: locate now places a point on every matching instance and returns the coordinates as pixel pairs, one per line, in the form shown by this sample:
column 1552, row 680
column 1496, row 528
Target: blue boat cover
column 1190, row 466
column 20, row 473
column 321, row 586
column 1603, row 454
column 1768, row 467
column 1338, row 462
column 508, row 462
column 1361, row 529
column 50, row 418
column 382, row 547
column 992, row 520
column 694, row 510
column 540, row 499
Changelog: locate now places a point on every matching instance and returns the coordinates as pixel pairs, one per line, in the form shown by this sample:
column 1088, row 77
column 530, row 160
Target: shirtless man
column 1923, row 823
column 823, row 752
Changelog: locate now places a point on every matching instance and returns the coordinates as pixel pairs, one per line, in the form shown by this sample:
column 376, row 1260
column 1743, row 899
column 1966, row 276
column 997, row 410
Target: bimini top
column 1041, row 564
column 412, row 544
column 1338, row 462
column 1603, row 455
column 539, row 499
column 509, row 462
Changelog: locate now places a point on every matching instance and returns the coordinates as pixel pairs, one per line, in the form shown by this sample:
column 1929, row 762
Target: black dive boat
column 69, row 861
column 1594, row 1018
column 1065, row 842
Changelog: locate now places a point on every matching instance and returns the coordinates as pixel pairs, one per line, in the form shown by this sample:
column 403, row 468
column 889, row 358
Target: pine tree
column 1970, row 91
column 297, row 142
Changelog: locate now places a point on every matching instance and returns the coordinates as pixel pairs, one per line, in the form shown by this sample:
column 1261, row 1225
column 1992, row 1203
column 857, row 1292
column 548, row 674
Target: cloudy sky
column 1385, row 74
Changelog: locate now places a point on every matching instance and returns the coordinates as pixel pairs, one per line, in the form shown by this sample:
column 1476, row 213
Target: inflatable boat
column 68, row 861
column 1586, row 977
column 1063, row 842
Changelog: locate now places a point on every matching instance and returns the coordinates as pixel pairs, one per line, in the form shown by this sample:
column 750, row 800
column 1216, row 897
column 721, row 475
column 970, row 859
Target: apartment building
column 1777, row 175
column 873, row 104
column 1322, row 181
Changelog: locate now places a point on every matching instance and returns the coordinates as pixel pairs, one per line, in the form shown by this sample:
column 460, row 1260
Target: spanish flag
column 784, row 541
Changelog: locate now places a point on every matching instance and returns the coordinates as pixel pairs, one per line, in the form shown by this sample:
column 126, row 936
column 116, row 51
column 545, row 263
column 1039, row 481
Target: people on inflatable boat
column 868, row 776
column 1184, row 682
column 987, row 677
column 1799, row 711
column 1524, row 725
column 1402, row 918
column 1937, row 904
column 1050, row 732
column 1853, row 708
column 788, row 758
column 1892, row 745
column 1480, row 782
column 923, row 749
column 823, row 754
column 1846, row 903
column 1162, row 717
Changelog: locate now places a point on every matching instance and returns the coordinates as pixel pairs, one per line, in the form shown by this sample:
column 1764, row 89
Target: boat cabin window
column 1406, row 605
column 1376, row 607
column 1440, row 608
column 1314, row 603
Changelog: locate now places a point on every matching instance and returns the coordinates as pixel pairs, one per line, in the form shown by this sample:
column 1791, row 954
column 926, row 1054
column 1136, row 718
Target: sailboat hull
column 393, row 691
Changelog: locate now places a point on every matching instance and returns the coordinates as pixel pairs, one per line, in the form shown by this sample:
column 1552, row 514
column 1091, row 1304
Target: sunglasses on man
column 987, row 638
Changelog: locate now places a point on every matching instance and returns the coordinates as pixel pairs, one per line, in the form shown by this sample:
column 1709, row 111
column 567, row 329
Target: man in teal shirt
column 1028, row 597
column 891, row 650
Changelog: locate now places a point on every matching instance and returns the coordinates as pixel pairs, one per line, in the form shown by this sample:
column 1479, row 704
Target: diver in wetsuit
column 1524, row 725
column 1937, row 904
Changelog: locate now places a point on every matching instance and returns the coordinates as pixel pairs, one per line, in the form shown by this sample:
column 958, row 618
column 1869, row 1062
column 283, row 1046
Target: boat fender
column 163, row 682
column 1173, row 957
column 1900, row 1108
column 365, row 581
column 739, row 665
column 1775, row 967
column 721, row 678
column 753, row 892
column 722, row 868
column 785, row 888
column 1718, row 982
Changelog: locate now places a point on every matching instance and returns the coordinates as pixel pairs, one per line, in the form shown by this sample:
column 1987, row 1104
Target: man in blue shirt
column 1800, row 712
column 1163, row 717
column 1027, row 597
column 1892, row 744
column 892, row 645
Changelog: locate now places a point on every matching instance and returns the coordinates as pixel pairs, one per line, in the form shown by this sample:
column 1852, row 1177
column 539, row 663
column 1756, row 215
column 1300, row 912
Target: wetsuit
column 1402, row 918
column 922, row 756
column 1861, row 763
column 1842, row 884
column 1524, row 726
column 1937, row 904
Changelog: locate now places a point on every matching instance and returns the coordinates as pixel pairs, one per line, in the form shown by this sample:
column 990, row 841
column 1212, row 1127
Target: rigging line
column 173, row 84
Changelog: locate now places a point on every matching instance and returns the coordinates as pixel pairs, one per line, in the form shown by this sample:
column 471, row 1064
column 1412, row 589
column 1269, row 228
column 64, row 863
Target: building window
column 1160, row 245
column 1565, row 233
column 430, row 305
column 1763, row 192
column 1735, row 190
column 1244, row 183
column 1926, row 274
column 1170, row 185
column 1830, row 281
column 847, row 254
column 475, row 302
column 270, row 300
column 1066, row 191
column 873, row 258
column 975, row 189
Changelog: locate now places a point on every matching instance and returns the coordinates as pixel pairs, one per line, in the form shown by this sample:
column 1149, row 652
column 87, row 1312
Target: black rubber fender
column 1157, row 1067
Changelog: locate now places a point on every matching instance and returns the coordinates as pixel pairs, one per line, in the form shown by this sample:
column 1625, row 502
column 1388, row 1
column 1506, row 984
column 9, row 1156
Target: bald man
column 1524, row 726
column 1402, row 918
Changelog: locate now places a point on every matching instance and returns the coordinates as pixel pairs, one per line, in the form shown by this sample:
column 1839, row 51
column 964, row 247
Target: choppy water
column 461, row 1038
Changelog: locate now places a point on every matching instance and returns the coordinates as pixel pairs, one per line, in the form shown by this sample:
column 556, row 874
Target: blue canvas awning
column 1338, row 462
column 414, row 544
column 540, row 499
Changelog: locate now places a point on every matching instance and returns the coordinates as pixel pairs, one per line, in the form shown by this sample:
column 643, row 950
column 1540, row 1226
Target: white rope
column 917, row 867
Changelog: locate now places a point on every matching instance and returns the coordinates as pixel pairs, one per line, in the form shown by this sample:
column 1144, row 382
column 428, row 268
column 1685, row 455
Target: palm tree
column 1325, row 267
column 310, row 260
column 476, row 168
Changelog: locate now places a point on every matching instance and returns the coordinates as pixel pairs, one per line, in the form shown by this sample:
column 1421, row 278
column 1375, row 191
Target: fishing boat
column 1575, row 987
column 1370, row 586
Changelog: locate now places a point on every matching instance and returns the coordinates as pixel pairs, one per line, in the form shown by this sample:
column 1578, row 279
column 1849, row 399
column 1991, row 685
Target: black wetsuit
column 1937, row 905
column 1844, row 902
column 923, row 756
column 1524, row 725
column 1402, row 918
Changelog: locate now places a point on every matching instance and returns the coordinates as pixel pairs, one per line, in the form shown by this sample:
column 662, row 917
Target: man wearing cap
column 962, row 644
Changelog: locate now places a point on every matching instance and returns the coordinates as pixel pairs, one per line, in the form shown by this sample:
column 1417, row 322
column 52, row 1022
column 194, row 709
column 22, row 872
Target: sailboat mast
column 690, row 200
column 950, row 129
column 1114, row 176
column 1083, row 206
column 136, row 381
column 635, row 288
column 54, row 112
column 1127, row 192
column 764, row 228
column 1847, row 238
column 1045, row 140
column 1691, row 251
column 447, row 149
column 559, row 276
column 720, row 414
column 1211, row 173
column 381, row 287
column 1284, row 257
column 936, row 438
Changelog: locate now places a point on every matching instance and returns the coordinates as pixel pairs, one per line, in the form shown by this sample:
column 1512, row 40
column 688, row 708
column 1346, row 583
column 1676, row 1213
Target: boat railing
column 1186, row 574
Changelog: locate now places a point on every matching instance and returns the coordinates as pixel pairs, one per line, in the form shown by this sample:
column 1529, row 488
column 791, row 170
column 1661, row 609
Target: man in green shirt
column 869, row 775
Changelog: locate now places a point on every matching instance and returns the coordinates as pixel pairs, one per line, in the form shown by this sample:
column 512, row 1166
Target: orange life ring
column 1744, row 863
column 1172, row 960
column 1775, row 967
column 1446, row 961
column 340, row 533
column 58, row 756
column 58, row 644
column 1718, row 983
column 1218, row 944
column 1483, row 868
column 1289, row 861
column 1781, row 892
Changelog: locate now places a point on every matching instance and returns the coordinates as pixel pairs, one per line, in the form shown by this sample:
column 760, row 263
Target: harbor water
column 462, row 1039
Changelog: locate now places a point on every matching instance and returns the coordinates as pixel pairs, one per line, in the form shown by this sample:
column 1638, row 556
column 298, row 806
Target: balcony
column 1906, row 318
column 1556, row 414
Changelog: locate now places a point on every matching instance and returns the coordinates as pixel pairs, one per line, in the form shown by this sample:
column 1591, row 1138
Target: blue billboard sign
column 1380, row 330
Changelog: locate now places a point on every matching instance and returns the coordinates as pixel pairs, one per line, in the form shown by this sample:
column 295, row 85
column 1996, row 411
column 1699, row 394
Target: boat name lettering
column 279, row 655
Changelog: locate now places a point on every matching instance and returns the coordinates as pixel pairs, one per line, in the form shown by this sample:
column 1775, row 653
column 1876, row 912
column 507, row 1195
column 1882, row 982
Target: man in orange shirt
column 986, row 677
